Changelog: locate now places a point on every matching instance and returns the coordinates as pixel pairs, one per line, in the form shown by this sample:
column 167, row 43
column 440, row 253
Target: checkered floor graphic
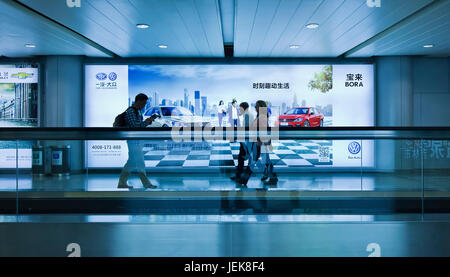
column 288, row 153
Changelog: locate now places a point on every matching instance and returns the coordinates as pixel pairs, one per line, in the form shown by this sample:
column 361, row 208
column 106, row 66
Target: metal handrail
column 9, row 134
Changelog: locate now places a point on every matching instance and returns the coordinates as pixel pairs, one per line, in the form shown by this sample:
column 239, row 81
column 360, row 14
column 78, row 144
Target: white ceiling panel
column 430, row 26
column 190, row 28
column 19, row 26
column 227, row 16
column 266, row 28
column 199, row 28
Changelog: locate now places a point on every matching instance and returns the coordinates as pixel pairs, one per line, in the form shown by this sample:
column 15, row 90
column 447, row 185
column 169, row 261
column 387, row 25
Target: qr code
column 324, row 154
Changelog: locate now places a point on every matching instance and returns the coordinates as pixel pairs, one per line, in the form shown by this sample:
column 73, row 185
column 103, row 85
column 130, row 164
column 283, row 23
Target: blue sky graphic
column 224, row 82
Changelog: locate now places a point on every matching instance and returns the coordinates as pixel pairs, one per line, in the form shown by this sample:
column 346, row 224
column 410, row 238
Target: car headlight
column 299, row 119
column 178, row 124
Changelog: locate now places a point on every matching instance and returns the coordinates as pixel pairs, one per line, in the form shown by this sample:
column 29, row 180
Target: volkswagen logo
column 112, row 76
column 101, row 76
column 354, row 147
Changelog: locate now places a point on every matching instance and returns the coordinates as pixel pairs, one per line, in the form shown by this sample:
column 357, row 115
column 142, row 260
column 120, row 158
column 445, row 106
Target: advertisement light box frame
column 25, row 164
column 236, row 61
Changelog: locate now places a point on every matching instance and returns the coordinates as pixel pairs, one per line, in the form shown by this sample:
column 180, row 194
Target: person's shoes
column 273, row 181
column 264, row 178
column 235, row 177
column 149, row 186
column 124, row 186
column 241, row 186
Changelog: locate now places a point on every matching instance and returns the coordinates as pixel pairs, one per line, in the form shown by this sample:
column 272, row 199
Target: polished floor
column 316, row 181
column 224, row 218
column 226, row 239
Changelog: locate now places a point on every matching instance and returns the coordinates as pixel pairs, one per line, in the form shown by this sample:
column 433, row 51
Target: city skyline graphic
column 199, row 88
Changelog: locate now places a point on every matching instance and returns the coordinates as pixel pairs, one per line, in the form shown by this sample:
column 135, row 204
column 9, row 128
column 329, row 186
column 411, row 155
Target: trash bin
column 61, row 160
column 38, row 161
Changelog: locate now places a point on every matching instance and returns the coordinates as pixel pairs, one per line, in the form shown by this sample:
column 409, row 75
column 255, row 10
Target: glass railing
column 163, row 171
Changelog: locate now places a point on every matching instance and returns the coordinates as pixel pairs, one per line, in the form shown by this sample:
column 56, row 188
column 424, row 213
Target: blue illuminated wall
column 431, row 92
column 62, row 99
column 412, row 91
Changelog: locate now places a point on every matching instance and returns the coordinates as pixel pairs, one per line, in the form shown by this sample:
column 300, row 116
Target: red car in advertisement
column 300, row 117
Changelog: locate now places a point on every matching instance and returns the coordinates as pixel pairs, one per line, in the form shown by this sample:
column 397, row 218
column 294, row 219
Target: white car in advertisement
column 173, row 116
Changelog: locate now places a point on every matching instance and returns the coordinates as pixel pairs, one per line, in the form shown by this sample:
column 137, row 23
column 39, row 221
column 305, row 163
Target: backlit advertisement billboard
column 18, row 108
column 307, row 96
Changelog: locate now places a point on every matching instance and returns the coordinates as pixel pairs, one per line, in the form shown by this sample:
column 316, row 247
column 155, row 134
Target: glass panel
column 372, row 176
column 392, row 175
column 47, row 171
column 436, row 160
column 107, row 176
column 168, row 165
column 314, row 165
column 8, row 176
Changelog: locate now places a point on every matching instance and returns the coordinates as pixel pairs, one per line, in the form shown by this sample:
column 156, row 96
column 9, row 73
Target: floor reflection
column 221, row 182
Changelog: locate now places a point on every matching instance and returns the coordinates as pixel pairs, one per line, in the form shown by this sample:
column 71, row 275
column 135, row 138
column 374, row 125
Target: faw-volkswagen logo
column 112, row 76
column 101, row 76
column 354, row 147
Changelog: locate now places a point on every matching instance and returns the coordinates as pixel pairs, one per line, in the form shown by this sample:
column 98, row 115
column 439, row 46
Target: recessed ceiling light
column 429, row 46
column 162, row 46
column 312, row 26
column 294, row 46
column 30, row 45
column 142, row 26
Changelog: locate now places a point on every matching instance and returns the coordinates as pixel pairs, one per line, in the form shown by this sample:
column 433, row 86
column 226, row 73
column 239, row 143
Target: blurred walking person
column 132, row 118
column 262, row 147
column 245, row 146
column 265, row 145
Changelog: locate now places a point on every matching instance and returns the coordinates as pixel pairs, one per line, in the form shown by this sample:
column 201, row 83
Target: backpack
column 120, row 120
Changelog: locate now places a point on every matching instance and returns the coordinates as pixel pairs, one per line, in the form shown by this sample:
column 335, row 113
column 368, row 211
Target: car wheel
column 306, row 124
column 321, row 123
